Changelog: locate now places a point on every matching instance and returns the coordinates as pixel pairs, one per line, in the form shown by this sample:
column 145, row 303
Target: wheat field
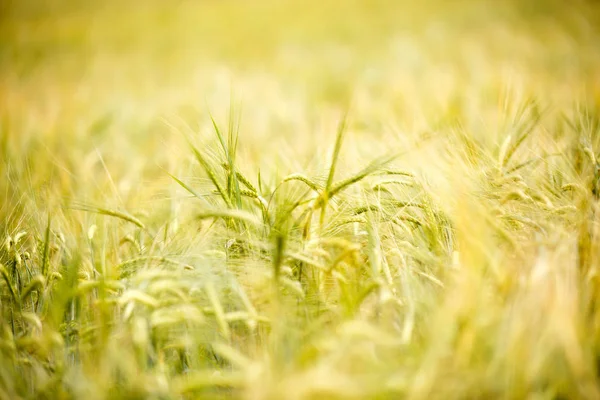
column 285, row 199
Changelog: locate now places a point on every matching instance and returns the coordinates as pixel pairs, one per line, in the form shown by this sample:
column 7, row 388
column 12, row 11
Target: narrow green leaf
column 46, row 253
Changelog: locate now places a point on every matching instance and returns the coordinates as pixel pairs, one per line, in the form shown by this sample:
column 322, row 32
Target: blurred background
column 97, row 99
column 83, row 64
column 121, row 78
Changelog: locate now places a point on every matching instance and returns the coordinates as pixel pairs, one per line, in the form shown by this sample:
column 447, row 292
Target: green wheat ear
column 212, row 175
column 111, row 213
column 278, row 254
column 527, row 118
column 239, row 215
column 38, row 283
column 9, row 284
column 302, row 178
column 337, row 187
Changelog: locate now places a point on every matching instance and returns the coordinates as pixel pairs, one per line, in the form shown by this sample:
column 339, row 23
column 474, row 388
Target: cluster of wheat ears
column 457, row 256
